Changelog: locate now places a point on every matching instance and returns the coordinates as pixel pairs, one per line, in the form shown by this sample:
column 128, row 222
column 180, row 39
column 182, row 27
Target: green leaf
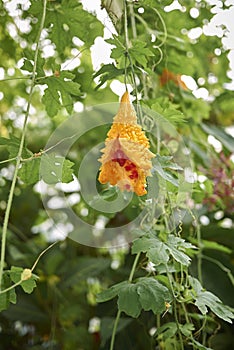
column 213, row 246
column 55, row 169
column 108, row 72
column 119, row 50
column 163, row 173
column 27, row 285
column 8, row 297
column 27, row 65
column 204, row 299
column 51, row 101
column 168, row 330
column 196, row 109
column 129, row 301
column 139, row 52
column 67, row 171
column 12, row 144
column 176, row 247
column 158, row 252
column 29, row 172
column 67, row 19
column 110, row 293
column 168, row 110
column 226, row 139
column 147, row 293
column 155, row 250
column 60, row 86
column 186, row 329
column 165, row 162
column 152, row 294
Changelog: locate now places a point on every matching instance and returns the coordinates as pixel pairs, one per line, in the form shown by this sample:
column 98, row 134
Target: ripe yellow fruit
column 126, row 159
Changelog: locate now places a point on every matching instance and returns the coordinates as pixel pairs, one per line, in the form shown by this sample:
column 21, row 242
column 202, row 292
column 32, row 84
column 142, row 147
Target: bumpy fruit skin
column 126, row 159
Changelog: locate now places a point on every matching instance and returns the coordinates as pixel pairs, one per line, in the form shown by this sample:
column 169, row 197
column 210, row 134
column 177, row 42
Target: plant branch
column 40, row 255
column 114, row 330
column 18, row 161
column 8, row 160
column 199, row 255
column 133, row 21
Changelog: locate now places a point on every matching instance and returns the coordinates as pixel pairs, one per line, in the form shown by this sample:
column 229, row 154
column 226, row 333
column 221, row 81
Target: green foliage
column 108, row 72
column 12, row 145
column 66, row 20
column 16, row 276
column 159, row 252
column 204, row 299
column 168, row 110
column 56, row 169
column 8, row 294
column 6, row 297
column 146, row 293
column 226, row 139
column 164, row 173
column 60, row 86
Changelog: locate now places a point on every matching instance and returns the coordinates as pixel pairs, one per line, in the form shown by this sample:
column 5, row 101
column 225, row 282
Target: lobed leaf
column 55, row 169
column 27, row 285
column 146, row 293
column 204, row 299
column 159, row 252
column 152, row 294
column 60, row 86
column 108, row 72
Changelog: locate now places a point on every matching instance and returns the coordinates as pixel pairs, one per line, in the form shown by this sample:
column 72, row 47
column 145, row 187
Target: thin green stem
column 150, row 31
column 164, row 28
column 187, row 320
column 126, row 25
column 133, row 21
column 119, row 312
column 18, row 161
column 33, row 267
column 175, row 309
column 199, row 255
column 40, row 255
column 7, row 160
column 134, row 267
column 16, row 78
column 158, row 135
column 114, row 330
column 133, row 75
column 11, row 287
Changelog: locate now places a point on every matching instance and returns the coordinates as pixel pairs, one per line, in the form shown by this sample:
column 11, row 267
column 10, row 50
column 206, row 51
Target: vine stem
column 134, row 267
column 18, row 160
column 32, row 268
column 199, row 256
column 175, row 311
column 139, row 112
column 114, row 330
column 119, row 312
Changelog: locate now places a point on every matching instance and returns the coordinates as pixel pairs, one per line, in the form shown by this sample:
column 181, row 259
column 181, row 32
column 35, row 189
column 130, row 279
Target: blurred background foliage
column 62, row 312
